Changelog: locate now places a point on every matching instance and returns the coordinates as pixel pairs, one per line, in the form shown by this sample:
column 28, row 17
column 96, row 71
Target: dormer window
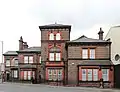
column 51, row 36
column 58, row 36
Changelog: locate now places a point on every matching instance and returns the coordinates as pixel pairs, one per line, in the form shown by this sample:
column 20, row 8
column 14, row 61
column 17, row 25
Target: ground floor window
column 105, row 74
column 15, row 74
column 28, row 75
column 89, row 74
column 55, row 74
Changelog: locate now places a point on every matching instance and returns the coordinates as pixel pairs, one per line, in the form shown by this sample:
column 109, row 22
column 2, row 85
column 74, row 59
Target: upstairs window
column 25, row 59
column 16, row 62
column 40, row 59
column 51, row 57
column 84, row 53
column 28, row 59
column 88, row 53
column 54, row 54
column 92, row 53
column 7, row 62
column 58, row 36
column 51, row 36
column 57, row 56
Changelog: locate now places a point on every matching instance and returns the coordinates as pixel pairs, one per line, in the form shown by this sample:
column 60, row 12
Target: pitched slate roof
column 86, row 39
column 10, row 53
column 55, row 26
column 31, row 49
column 96, row 62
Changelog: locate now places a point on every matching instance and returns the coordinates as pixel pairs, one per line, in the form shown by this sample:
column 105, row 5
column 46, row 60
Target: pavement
column 20, row 87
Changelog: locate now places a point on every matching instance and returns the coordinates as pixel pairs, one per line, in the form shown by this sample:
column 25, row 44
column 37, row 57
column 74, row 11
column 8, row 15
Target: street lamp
column 2, row 65
column 2, row 50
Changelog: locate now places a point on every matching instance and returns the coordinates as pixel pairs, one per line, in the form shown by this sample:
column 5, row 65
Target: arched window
column 58, row 36
column 51, row 36
column 54, row 54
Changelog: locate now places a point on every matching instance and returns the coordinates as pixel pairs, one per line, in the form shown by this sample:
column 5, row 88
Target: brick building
column 11, row 65
column 83, row 61
column 89, row 61
column 23, row 64
column 59, row 61
column 53, row 52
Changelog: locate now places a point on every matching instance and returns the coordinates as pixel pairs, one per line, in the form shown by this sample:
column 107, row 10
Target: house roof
column 55, row 26
column 86, row 39
column 96, row 62
column 31, row 49
column 10, row 53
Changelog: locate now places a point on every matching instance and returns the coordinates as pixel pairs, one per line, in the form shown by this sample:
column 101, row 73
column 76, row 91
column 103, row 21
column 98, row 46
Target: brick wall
column 100, row 51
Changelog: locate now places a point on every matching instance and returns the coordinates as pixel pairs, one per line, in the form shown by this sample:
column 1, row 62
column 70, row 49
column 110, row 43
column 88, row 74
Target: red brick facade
column 82, row 62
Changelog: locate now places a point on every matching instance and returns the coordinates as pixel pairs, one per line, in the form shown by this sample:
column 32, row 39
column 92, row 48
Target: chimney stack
column 21, row 43
column 25, row 45
column 100, row 33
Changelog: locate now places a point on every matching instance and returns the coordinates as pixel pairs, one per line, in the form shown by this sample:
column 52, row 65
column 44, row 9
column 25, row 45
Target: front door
column 8, row 76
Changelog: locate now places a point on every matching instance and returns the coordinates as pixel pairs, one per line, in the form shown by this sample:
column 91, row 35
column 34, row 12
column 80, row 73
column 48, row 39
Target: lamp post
column 2, row 51
column 2, row 67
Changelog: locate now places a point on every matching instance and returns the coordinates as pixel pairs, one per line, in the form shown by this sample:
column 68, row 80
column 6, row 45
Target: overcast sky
column 22, row 18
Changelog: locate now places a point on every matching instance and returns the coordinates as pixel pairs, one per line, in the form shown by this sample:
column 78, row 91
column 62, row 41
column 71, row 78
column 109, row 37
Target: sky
column 23, row 18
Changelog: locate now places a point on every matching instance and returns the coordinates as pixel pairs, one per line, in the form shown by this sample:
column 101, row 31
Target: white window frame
column 50, row 71
column 25, row 75
column 40, row 59
column 51, row 56
column 85, row 53
column 58, row 36
column 89, row 74
column 16, row 62
column 92, row 53
column 84, row 75
column 51, row 36
column 54, row 74
column 15, row 72
column 95, row 74
column 7, row 62
column 105, row 74
column 58, row 57
column 26, row 59
column 29, row 75
column 59, row 75
column 31, row 59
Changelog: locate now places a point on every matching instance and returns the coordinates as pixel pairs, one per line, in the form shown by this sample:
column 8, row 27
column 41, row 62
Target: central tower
column 53, row 52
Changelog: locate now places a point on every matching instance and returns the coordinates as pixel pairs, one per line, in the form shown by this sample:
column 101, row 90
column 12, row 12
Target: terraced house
column 23, row 64
column 59, row 61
